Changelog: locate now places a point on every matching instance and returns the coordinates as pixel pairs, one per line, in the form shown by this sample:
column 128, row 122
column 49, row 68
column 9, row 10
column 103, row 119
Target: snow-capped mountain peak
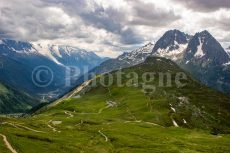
column 138, row 55
column 48, row 51
column 25, row 57
column 204, row 48
column 145, row 49
column 65, row 55
column 171, row 45
column 59, row 54
column 14, row 46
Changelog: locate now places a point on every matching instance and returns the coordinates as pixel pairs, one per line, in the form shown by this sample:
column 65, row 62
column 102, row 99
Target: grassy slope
column 14, row 101
column 80, row 133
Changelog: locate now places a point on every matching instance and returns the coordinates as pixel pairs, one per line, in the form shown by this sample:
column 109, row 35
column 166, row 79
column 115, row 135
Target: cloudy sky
column 110, row 27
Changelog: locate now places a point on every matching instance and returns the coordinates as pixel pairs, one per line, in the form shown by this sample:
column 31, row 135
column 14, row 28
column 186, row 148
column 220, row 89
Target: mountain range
column 60, row 66
column 201, row 55
column 19, row 59
column 127, row 59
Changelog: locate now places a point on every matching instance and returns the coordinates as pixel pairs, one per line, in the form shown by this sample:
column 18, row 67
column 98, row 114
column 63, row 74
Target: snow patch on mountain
column 138, row 55
column 1, row 42
column 45, row 51
column 226, row 64
column 199, row 53
column 175, row 123
column 174, row 54
column 55, row 50
column 61, row 53
column 187, row 62
column 184, row 121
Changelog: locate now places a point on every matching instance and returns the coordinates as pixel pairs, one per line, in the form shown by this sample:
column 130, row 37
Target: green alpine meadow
column 126, row 118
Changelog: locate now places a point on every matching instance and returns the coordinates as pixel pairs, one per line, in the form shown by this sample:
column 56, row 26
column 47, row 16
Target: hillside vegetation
column 128, row 118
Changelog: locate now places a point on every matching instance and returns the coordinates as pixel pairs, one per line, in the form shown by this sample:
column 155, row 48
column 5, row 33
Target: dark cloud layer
column 205, row 5
column 92, row 22
column 34, row 20
column 148, row 14
column 117, row 21
column 113, row 21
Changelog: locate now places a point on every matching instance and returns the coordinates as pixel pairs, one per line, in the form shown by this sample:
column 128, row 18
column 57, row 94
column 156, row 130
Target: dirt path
column 30, row 129
column 53, row 128
column 8, row 145
column 106, row 138
column 70, row 114
column 131, row 114
column 80, row 123
column 140, row 121
column 21, row 126
column 99, row 111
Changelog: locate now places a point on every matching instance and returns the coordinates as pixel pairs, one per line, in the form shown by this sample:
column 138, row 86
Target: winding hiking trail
column 106, row 138
column 53, row 128
column 99, row 112
column 18, row 126
column 70, row 114
column 80, row 123
column 109, row 104
column 8, row 145
column 140, row 121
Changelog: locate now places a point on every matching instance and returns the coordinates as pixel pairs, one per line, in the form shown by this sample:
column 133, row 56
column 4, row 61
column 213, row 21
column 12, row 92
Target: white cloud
column 108, row 27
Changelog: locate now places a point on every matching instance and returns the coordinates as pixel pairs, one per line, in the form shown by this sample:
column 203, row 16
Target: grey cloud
column 129, row 37
column 112, row 21
column 205, row 5
column 148, row 14
column 221, row 24
column 33, row 20
column 109, row 19
column 115, row 21
column 225, row 39
column 224, row 23
column 30, row 20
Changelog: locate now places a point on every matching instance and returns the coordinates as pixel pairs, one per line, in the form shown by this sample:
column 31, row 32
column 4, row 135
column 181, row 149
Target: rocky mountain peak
column 171, row 45
column 203, row 47
column 171, row 40
column 138, row 55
